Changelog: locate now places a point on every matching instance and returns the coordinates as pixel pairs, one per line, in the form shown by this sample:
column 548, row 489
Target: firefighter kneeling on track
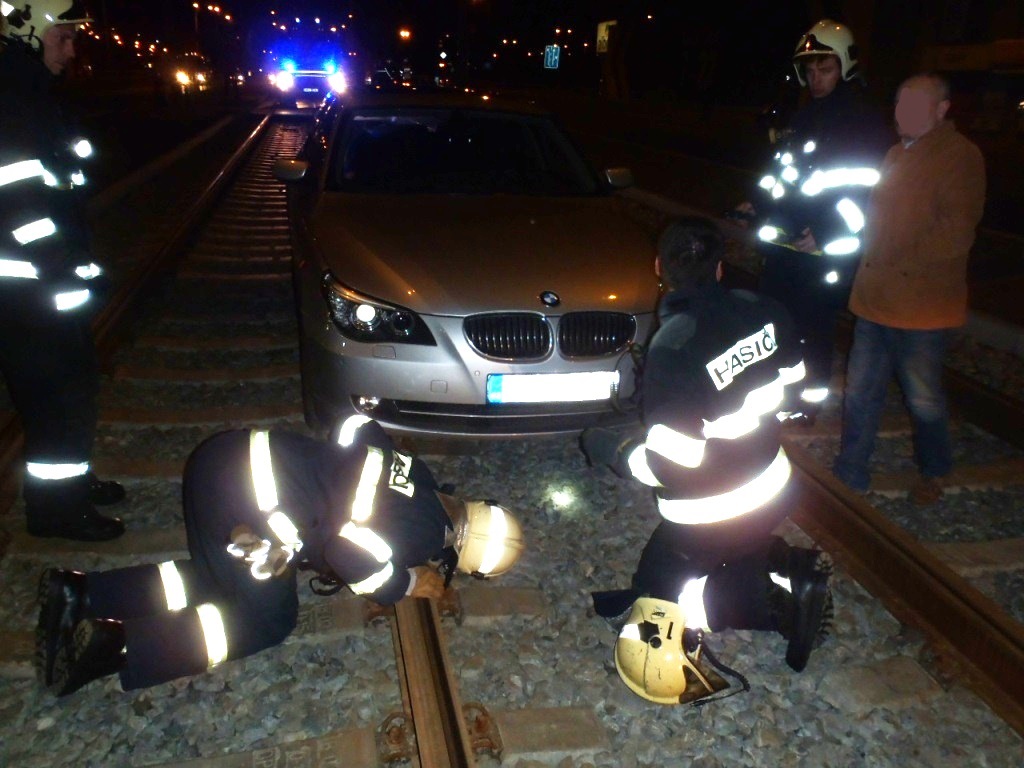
column 719, row 376
column 257, row 504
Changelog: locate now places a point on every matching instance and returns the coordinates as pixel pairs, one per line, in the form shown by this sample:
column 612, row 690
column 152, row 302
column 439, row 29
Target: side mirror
column 286, row 169
column 619, row 178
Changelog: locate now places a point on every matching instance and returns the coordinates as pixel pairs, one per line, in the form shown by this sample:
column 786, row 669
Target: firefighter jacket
column 356, row 507
column 716, row 377
column 822, row 173
column 45, row 267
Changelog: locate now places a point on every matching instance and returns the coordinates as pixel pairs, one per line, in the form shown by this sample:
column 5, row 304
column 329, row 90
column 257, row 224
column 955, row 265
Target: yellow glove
column 429, row 583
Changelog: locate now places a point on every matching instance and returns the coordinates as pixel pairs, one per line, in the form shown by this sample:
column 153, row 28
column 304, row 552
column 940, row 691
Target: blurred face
column 919, row 108
column 58, row 47
column 822, row 74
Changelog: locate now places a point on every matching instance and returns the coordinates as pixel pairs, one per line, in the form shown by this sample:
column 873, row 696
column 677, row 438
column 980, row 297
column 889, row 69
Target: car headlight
column 285, row 81
column 368, row 320
column 337, row 82
column 182, row 77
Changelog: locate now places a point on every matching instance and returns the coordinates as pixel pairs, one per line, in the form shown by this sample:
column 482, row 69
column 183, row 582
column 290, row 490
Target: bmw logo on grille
column 550, row 299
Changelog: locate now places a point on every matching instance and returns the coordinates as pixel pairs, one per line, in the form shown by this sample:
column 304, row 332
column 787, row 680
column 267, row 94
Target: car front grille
column 592, row 334
column 509, row 335
column 527, row 336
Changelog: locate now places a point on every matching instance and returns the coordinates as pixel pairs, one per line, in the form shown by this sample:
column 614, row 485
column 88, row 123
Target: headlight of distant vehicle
column 200, row 77
column 337, row 82
column 285, row 81
column 182, row 77
column 361, row 318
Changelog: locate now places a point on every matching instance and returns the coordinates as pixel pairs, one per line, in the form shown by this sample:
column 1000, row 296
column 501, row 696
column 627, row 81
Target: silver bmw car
column 460, row 270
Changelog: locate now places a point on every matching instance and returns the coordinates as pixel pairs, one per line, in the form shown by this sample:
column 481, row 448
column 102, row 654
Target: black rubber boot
column 104, row 492
column 93, row 650
column 63, row 602
column 83, row 523
column 61, row 508
column 805, row 613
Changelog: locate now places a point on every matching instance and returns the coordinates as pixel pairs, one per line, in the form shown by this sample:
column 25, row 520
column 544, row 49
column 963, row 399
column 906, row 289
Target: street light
column 404, row 34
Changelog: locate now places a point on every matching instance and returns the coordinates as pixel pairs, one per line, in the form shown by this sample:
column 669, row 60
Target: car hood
column 448, row 255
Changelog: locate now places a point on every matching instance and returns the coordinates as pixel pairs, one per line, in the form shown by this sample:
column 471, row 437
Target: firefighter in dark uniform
column 48, row 282
column 258, row 503
column 719, row 374
column 810, row 202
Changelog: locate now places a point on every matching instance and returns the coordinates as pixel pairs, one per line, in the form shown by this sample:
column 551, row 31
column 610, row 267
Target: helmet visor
column 809, row 45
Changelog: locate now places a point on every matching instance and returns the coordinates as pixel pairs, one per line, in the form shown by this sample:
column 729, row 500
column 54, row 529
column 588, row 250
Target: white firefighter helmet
column 487, row 537
column 827, row 38
column 28, row 20
column 652, row 659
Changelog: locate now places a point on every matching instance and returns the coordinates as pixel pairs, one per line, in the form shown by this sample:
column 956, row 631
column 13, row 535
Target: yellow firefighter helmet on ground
column 488, row 537
column 652, row 659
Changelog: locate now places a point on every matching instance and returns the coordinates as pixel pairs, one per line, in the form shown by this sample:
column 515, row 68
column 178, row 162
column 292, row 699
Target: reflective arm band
column 285, row 530
column 174, row 587
column 412, row 580
column 374, row 582
column 349, row 428
column 69, row 300
column 25, row 169
column 725, row 506
column 814, row 394
column 637, row 462
column 213, row 633
column 35, row 230
column 21, row 269
column 675, row 446
column 367, row 540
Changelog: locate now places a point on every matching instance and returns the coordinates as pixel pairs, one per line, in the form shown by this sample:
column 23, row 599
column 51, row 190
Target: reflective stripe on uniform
column 68, row 300
column 47, row 471
column 262, row 471
column 25, row 169
column 174, row 587
column 374, row 582
column 758, row 402
column 637, row 461
column 349, row 428
column 35, row 230
column 725, row 506
column 794, row 374
column 691, row 600
column 16, row 268
column 214, row 635
column 676, row 446
column 368, row 540
column 366, row 491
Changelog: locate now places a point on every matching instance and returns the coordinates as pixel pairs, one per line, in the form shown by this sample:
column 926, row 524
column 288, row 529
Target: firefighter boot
column 93, row 650
column 63, row 602
column 804, row 609
column 605, row 448
column 104, row 492
column 61, row 508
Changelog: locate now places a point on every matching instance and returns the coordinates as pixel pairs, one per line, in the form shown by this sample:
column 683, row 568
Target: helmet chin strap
column 456, row 509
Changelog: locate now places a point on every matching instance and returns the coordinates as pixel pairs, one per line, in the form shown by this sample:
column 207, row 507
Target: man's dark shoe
column 810, row 613
column 600, row 446
column 93, row 650
column 63, row 602
column 104, row 492
column 86, row 525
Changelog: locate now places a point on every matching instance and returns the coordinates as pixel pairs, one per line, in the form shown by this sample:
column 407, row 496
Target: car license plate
column 551, row 387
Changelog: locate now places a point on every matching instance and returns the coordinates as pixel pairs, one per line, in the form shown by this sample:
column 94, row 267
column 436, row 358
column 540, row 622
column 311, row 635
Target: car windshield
column 454, row 151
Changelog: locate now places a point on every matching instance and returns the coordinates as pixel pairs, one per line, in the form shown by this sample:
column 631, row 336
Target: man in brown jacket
column 910, row 290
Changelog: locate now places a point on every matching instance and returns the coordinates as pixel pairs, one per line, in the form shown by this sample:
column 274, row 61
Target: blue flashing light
column 330, row 67
column 288, row 65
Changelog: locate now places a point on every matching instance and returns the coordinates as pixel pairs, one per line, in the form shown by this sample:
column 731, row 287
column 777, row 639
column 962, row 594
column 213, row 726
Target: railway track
column 492, row 674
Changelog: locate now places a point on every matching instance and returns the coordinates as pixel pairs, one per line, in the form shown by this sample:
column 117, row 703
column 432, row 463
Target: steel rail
column 428, row 686
column 966, row 628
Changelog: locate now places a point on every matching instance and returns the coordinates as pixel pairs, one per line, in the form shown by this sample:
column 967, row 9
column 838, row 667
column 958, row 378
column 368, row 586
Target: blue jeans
column 916, row 359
